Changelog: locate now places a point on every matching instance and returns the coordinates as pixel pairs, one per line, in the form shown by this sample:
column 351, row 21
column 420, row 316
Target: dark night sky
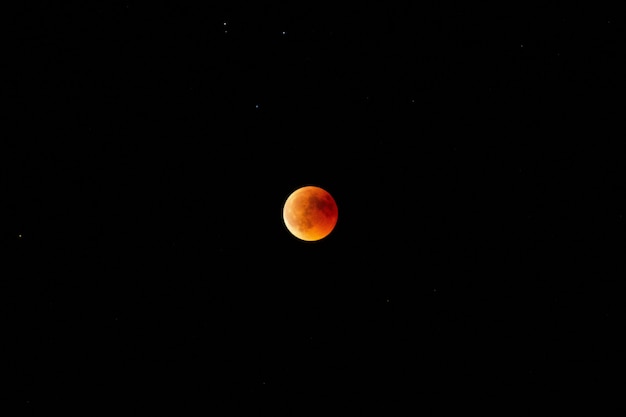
column 474, row 153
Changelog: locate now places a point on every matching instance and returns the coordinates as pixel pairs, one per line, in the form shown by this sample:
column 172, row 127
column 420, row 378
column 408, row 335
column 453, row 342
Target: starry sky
column 473, row 150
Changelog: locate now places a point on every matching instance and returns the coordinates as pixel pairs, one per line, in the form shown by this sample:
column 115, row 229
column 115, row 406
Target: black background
column 474, row 153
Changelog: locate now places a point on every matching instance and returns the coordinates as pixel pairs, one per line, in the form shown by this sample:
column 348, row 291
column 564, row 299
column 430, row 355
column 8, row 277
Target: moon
column 310, row 213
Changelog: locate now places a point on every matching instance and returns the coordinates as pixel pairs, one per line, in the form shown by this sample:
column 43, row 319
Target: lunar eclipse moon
column 310, row 213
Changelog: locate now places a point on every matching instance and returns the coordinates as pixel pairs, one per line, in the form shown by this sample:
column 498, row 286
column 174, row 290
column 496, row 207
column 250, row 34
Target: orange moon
column 310, row 213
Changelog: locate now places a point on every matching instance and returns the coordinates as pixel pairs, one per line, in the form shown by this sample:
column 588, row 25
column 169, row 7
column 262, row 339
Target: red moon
column 310, row 213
